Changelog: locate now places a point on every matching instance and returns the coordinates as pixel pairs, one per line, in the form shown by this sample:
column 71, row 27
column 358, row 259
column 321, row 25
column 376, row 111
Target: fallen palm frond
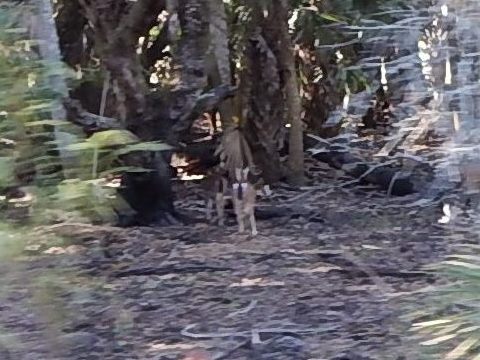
column 454, row 331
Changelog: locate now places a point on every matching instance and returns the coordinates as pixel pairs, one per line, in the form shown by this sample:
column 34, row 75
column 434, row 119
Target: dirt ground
column 329, row 277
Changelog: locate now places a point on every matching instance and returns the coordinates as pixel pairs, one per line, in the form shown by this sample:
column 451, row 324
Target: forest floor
column 331, row 278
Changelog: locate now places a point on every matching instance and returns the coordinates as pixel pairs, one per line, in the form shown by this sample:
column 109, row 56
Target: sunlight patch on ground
column 323, row 268
column 57, row 250
column 173, row 347
column 257, row 282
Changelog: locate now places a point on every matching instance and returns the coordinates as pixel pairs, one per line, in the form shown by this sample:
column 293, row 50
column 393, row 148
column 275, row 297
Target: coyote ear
column 238, row 174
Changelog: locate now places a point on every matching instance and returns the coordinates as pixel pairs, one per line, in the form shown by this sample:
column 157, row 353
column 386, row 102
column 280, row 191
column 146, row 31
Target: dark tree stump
column 148, row 193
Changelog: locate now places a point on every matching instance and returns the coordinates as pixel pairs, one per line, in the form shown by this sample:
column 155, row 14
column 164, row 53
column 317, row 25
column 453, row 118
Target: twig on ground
column 248, row 333
column 249, row 308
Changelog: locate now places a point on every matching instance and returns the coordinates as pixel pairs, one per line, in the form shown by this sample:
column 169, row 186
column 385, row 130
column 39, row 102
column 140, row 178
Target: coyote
column 242, row 191
column 244, row 197
column 235, row 177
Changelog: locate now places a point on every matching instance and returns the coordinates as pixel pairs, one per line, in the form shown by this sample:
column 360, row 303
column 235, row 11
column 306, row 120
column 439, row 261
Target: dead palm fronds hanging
column 235, row 152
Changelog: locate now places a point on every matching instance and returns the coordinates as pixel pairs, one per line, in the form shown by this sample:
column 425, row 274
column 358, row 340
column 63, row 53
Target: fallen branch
column 258, row 331
column 401, row 175
column 250, row 307
column 204, row 103
column 88, row 121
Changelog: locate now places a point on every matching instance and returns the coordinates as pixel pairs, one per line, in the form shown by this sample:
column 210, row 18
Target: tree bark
column 270, row 92
column 116, row 38
column 117, row 26
column 260, row 102
column 190, row 62
column 276, row 27
column 219, row 70
column 71, row 27
column 261, row 105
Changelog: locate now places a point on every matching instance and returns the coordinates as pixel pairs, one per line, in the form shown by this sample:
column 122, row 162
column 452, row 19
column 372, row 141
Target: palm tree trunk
column 292, row 95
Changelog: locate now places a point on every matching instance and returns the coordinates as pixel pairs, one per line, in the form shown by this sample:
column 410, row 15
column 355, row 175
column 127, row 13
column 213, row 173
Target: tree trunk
column 276, row 27
column 219, row 56
column 116, row 34
column 43, row 28
column 262, row 107
column 71, row 31
column 116, row 38
column 190, row 62
column 270, row 93
column 260, row 102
